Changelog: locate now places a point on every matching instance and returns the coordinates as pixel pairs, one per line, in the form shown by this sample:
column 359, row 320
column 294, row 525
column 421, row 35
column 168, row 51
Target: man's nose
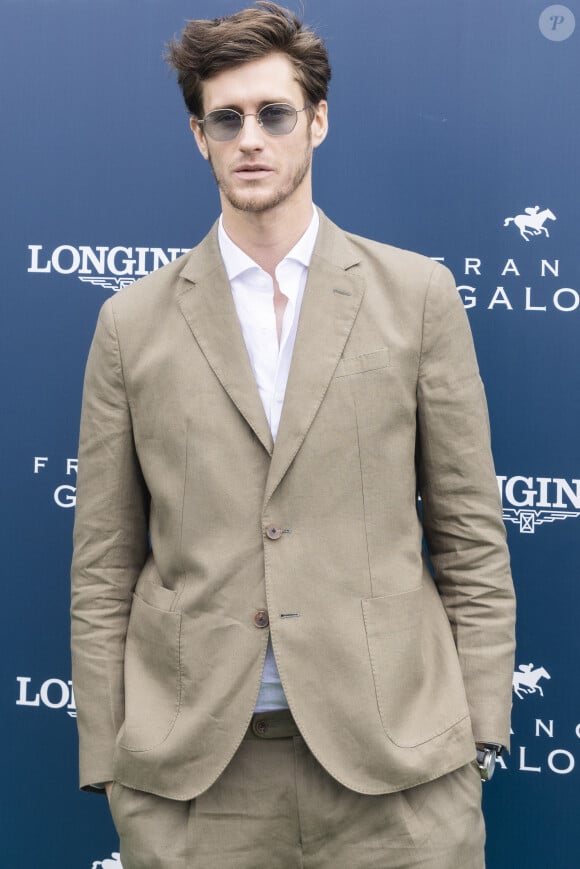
column 251, row 136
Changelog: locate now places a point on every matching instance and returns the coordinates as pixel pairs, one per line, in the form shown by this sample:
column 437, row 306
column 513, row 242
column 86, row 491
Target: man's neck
column 267, row 236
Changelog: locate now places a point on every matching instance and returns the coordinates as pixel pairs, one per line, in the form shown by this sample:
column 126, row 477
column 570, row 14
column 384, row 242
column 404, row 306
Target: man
column 264, row 666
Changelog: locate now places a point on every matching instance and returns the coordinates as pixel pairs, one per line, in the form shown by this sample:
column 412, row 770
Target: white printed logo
column 531, row 222
column 63, row 494
column 114, row 284
column 110, row 268
column 53, row 694
column 526, row 680
column 544, row 745
column 113, row 863
column 531, row 501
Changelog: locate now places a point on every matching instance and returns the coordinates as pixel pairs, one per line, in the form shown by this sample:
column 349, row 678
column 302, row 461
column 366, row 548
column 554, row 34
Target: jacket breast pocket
column 415, row 668
column 365, row 362
column 152, row 676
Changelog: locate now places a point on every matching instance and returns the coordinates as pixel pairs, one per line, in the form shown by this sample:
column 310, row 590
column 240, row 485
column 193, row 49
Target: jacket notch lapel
column 207, row 305
column 332, row 298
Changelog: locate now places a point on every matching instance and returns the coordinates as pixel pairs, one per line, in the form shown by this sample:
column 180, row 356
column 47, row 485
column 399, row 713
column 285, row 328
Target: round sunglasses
column 277, row 119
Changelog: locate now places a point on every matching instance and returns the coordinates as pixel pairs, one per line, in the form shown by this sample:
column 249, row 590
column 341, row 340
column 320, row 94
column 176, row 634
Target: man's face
column 256, row 171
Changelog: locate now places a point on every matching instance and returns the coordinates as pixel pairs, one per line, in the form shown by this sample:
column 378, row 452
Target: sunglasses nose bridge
column 256, row 125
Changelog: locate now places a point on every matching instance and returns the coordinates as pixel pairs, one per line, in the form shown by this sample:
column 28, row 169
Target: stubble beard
column 260, row 204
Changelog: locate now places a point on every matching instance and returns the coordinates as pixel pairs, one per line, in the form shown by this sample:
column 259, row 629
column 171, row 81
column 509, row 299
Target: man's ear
column 199, row 137
column 319, row 124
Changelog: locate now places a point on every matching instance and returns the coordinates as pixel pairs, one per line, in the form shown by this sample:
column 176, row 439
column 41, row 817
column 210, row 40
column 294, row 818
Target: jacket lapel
column 206, row 302
column 332, row 297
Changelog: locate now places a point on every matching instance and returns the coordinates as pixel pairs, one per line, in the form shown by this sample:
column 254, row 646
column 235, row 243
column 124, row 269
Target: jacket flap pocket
column 366, row 362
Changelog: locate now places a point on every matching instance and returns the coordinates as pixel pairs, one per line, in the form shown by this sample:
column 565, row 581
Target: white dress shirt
column 253, row 294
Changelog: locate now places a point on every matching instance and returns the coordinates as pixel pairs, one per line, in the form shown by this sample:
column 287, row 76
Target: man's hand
column 108, row 788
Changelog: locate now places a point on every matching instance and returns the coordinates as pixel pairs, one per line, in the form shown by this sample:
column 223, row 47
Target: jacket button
column 261, row 619
column 273, row 532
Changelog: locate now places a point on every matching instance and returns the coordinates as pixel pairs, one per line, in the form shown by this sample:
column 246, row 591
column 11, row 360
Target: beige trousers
column 275, row 807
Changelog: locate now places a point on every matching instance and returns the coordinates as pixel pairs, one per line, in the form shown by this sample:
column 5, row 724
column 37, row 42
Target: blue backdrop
column 448, row 118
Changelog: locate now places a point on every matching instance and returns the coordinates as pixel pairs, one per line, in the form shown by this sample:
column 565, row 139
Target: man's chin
column 254, row 204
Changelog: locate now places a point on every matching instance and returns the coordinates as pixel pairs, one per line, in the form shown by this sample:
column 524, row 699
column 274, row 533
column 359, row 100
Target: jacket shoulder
column 394, row 257
column 159, row 288
column 404, row 269
column 411, row 277
column 151, row 290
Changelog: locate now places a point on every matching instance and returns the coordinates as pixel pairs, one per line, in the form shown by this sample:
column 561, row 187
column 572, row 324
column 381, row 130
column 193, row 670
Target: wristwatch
column 486, row 754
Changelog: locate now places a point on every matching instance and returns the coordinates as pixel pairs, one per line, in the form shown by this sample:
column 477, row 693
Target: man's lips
column 252, row 170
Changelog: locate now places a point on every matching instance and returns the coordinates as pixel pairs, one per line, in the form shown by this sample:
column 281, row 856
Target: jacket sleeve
column 462, row 511
column 110, row 548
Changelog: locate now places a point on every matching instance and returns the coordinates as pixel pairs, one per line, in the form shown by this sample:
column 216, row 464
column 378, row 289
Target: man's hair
column 208, row 47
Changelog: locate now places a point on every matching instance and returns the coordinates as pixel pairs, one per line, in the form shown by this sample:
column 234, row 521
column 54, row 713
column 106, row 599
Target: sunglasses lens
column 223, row 124
column 278, row 119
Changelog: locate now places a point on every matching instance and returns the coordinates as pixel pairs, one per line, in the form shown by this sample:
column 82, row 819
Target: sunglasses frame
column 257, row 115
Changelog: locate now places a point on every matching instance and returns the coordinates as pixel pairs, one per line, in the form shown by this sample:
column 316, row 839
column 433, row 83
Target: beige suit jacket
column 189, row 521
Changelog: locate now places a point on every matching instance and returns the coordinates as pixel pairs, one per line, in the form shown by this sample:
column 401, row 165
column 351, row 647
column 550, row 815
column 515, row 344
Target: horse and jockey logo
column 526, row 680
column 113, row 863
column 531, row 222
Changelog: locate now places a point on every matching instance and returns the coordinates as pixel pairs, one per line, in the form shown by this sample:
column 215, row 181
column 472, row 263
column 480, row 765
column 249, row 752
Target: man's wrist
column 486, row 754
column 103, row 787
column 494, row 746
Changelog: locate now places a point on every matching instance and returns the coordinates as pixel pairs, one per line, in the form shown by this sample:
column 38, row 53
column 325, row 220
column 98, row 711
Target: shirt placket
column 282, row 361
